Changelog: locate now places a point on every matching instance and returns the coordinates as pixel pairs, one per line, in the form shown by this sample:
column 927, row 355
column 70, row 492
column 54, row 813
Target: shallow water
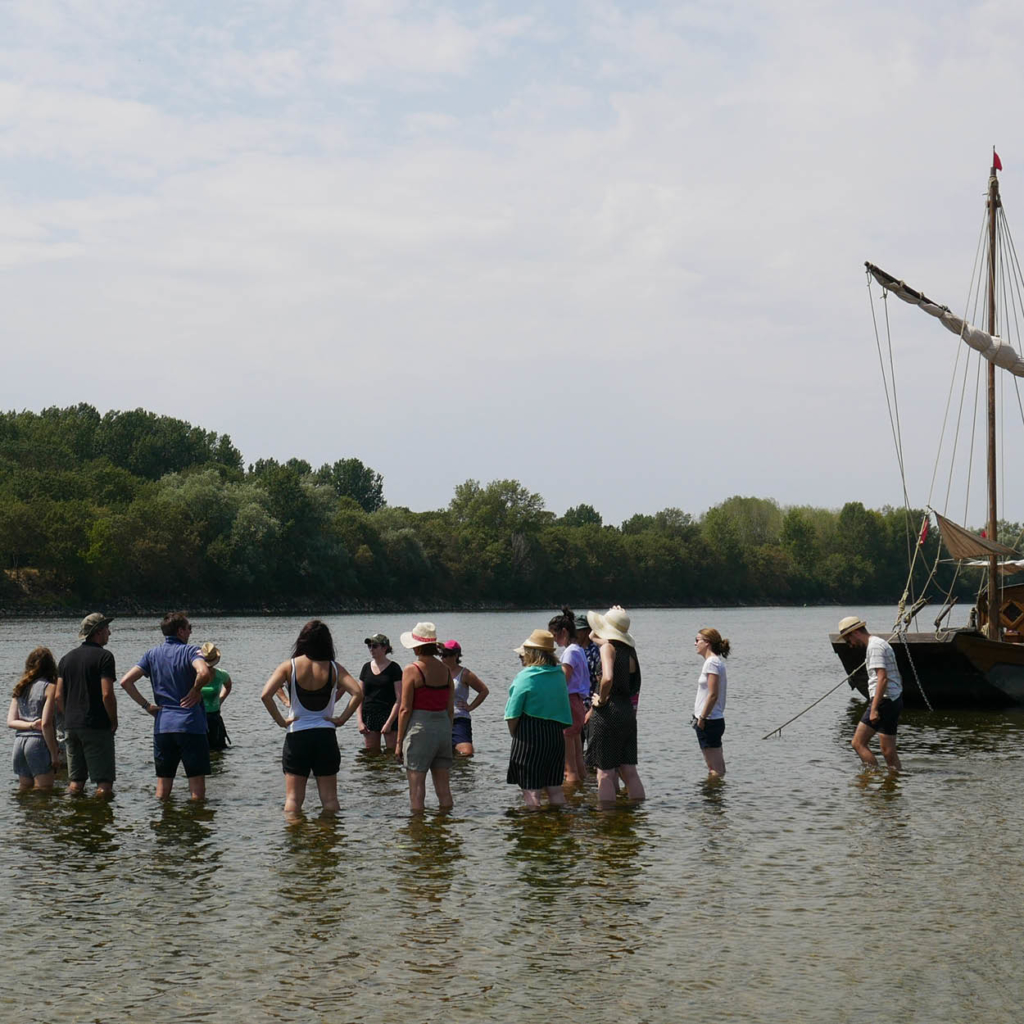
column 799, row 889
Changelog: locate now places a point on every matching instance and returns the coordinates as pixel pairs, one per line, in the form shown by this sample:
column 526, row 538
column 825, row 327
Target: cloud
column 513, row 228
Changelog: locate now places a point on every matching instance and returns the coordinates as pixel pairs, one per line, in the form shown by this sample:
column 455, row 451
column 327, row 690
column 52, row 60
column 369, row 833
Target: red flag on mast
column 924, row 532
column 996, row 162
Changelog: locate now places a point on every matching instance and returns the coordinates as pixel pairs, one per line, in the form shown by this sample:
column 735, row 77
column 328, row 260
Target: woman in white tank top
column 315, row 681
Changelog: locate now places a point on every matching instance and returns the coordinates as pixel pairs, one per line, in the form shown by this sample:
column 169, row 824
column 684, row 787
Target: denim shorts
column 710, row 736
column 190, row 749
column 31, row 756
column 462, row 731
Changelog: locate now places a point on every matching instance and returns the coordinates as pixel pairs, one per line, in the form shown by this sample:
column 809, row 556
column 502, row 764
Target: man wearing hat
column 885, row 693
column 85, row 695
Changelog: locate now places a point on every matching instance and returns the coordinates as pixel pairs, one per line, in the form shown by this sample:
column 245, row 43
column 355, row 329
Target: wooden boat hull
column 961, row 669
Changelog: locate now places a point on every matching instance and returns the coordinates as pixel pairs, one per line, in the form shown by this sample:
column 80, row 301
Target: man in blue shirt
column 178, row 673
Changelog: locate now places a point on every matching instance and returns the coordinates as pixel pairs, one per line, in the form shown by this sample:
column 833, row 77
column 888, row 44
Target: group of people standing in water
column 568, row 714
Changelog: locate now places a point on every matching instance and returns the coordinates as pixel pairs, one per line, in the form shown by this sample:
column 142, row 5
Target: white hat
column 422, row 634
column 850, row 625
column 613, row 625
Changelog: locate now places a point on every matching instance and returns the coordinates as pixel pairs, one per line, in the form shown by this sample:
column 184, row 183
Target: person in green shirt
column 536, row 713
column 214, row 693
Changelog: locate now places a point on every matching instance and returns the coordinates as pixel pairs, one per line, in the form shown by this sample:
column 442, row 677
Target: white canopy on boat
column 1004, row 567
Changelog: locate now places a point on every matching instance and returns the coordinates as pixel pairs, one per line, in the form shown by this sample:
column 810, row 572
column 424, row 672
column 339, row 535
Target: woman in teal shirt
column 536, row 712
column 214, row 693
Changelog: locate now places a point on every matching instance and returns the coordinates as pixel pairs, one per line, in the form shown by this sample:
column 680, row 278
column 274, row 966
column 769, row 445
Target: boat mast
column 994, row 632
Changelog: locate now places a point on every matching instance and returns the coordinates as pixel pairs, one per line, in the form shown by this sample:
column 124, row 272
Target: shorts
column 579, row 715
column 888, row 712
column 428, row 743
column 215, row 731
column 311, row 750
column 462, row 731
column 31, row 756
column 374, row 718
column 710, row 737
column 90, row 755
column 190, row 749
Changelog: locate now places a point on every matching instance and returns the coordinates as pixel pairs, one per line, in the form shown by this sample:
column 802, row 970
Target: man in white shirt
column 885, row 693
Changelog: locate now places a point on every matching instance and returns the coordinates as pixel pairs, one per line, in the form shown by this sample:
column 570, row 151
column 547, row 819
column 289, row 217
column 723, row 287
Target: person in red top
column 425, row 719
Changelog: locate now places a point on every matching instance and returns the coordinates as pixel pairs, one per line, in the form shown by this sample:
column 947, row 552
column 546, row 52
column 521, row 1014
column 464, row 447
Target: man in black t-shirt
column 85, row 694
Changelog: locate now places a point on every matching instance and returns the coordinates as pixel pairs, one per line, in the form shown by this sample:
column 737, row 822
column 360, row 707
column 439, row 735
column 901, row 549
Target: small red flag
column 996, row 162
column 984, row 533
column 924, row 533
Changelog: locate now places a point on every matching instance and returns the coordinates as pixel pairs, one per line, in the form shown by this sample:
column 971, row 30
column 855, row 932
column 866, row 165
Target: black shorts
column 710, row 737
column 215, row 731
column 888, row 716
column 190, row 749
column 311, row 750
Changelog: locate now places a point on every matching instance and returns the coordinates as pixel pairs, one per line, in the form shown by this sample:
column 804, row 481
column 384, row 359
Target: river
column 801, row 888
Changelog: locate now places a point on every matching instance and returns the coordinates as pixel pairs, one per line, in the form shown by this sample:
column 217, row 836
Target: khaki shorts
column 90, row 754
column 428, row 743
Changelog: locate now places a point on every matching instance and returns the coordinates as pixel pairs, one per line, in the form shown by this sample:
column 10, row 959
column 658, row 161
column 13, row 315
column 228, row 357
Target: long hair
column 718, row 644
column 315, row 642
column 564, row 620
column 38, row 665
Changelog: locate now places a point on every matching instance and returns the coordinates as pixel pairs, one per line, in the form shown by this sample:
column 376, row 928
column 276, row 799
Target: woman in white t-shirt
column 709, row 707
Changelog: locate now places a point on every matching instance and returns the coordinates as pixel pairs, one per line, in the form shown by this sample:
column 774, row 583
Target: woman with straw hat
column 425, row 719
column 611, row 749
column 214, row 694
column 537, row 713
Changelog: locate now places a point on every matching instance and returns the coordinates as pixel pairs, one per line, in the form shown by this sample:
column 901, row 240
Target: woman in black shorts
column 315, row 681
column 381, row 680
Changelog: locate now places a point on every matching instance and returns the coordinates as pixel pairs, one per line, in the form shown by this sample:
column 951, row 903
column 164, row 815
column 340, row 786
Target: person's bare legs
column 327, row 787
column 197, row 787
column 294, row 793
column 888, row 745
column 76, row 788
column 464, row 749
column 556, row 796
column 714, row 758
column 105, row 790
column 571, row 778
column 390, row 738
column 631, row 777
column 417, row 789
column 25, row 783
column 531, row 797
column 860, row 741
column 163, row 788
column 581, row 765
column 371, row 741
column 442, row 788
column 44, row 781
column 606, row 787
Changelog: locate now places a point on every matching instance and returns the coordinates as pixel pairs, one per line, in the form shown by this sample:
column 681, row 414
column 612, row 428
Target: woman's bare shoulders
column 312, row 675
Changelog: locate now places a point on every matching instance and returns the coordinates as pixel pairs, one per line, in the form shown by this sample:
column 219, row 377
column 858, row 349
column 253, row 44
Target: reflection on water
column 746, row 899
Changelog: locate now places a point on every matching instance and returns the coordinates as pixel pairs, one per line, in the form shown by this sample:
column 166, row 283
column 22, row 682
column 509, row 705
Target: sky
column 611, row 250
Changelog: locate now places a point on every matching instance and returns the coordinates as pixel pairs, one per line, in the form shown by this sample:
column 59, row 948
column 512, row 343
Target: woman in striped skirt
column 537, row 712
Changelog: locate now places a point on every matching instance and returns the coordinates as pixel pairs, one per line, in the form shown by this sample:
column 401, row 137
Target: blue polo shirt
column 169, row 668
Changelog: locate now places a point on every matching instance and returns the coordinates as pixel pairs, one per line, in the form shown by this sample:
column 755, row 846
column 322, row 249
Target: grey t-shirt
column 880, row 655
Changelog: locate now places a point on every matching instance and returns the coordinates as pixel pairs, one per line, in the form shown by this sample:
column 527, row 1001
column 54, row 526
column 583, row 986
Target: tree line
column 131, row 510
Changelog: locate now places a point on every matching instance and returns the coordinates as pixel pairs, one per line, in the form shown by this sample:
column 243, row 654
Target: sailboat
column 980, row 665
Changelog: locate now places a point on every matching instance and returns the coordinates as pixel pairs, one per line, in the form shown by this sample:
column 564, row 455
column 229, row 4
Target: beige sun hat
column 613, row 625
column 850, row 625
column 541, row 639
column 210, row 652
column 420, row 635
column 92, row 623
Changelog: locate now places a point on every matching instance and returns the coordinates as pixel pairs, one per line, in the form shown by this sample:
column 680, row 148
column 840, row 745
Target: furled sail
column 993, row 348
column 1006, row 568
column 963, row 544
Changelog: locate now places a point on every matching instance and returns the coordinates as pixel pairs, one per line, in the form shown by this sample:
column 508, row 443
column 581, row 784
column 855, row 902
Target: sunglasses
column 371, row 646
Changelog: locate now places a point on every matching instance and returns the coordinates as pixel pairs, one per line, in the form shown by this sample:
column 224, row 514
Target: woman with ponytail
column 709, row 707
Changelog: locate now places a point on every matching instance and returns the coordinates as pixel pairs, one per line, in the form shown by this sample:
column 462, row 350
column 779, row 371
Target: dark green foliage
column 133, row 509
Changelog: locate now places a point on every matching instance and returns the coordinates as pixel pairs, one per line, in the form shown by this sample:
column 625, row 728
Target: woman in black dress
column 381, row 680
column 611, row 748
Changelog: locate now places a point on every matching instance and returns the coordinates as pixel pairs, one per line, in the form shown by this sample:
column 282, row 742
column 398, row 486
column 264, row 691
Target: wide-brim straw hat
column 540, row 639
column 420, row 635
column 850, row 625
column 210, row 652
column 613, row 625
